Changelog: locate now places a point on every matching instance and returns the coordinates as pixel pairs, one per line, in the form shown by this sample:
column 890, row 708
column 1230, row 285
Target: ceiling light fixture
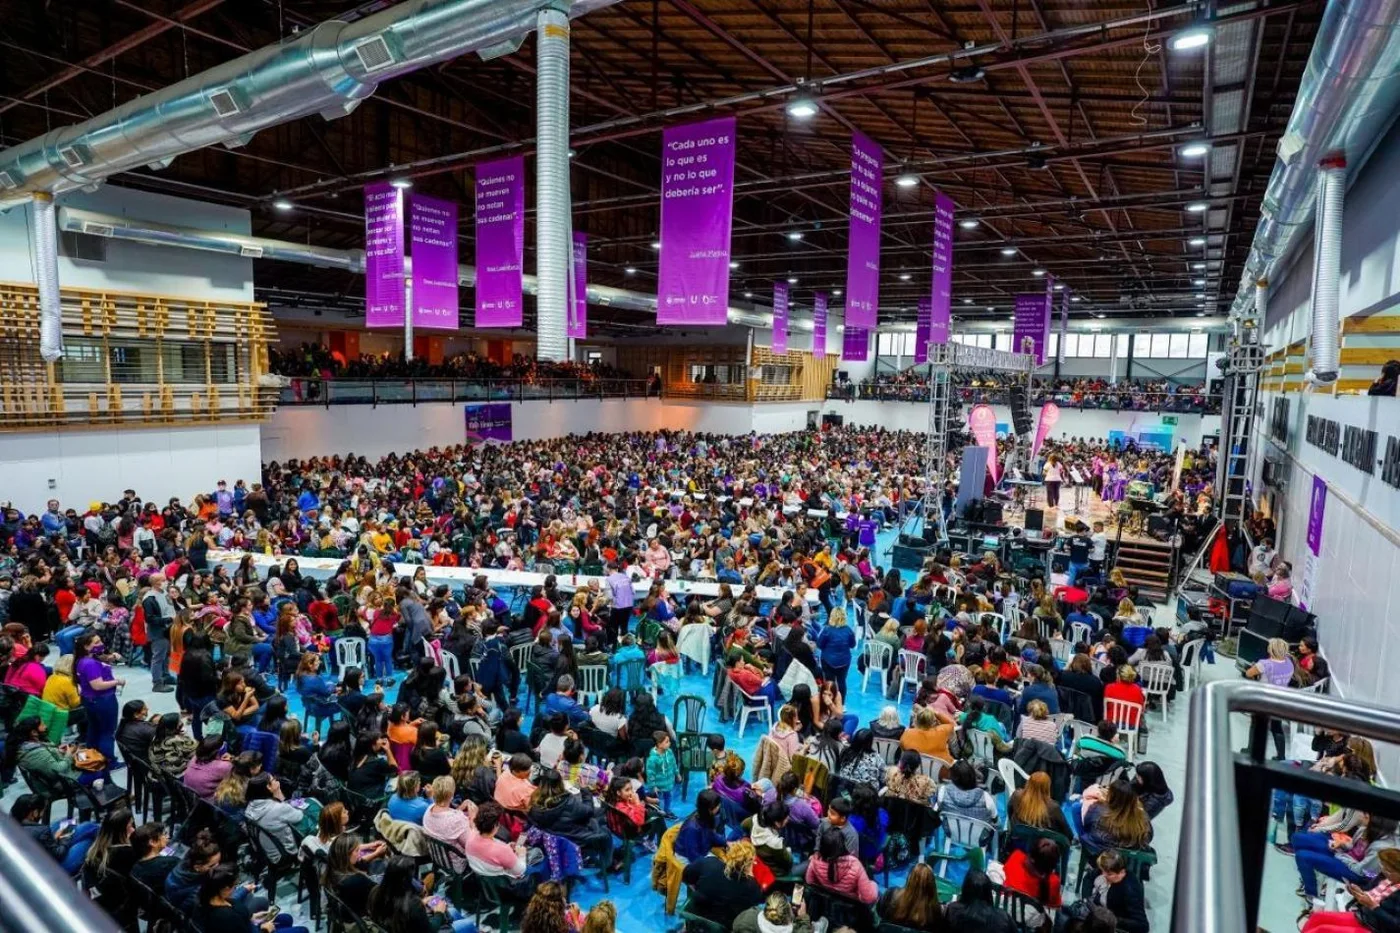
column 655, row 244
column 1198, row 266
column 1197, row 241
column 1200, row 294
column 630, row 270
column 1059, row 286
column 748, row 294
column 1198, row 281
column 733, row 263
column 906, row 180
column 795, row 235
column 1195, row 150
column 967, row 74
column 1198, row 207
column 1037, row 272
column 905, row 276
column 1100, row 315
column 792, row 280
column 802, row 108
column 1194, row 38
column 1200, row 314
column 991, row 307
column 1008, row 251
column 282, row 204
column 967, row 301
column 401, row 183
column 969, row 224
column 1075, row 298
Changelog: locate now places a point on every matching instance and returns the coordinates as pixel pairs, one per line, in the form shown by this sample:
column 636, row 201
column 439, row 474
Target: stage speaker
column 832, row 420
column 991, row 512
column 1035, row 519
column 908, row 558
column 1020, row 410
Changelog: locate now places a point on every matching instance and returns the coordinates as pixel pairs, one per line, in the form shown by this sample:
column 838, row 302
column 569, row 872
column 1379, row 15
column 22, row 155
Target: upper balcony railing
column 327, row 392
column 1172, row 402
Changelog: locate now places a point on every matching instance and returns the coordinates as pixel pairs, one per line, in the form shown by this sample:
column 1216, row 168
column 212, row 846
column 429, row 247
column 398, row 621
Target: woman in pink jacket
column 835, row 868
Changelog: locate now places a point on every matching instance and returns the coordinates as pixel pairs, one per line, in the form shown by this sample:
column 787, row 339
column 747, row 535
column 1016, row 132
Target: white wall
column 87, row 465
column 134, row 267
column 913, row 416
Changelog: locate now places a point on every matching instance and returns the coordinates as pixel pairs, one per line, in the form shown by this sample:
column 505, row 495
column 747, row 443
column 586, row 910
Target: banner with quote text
column 500, row 243
column 697, row 214
column 863, row 243
column 432, row 232
column 578, row 321
column 780, row 317
column 384, row 293
column 819, row 324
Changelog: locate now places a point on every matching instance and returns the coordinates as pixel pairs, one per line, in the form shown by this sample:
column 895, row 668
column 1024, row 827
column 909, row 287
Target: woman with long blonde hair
column 1032, row 805
column 547, row 911
column 914, row 906
column 1118, row 820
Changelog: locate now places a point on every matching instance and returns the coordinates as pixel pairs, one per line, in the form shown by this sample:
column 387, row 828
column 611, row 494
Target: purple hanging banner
column 819, row 324
column 780, row 317
column 855, row 344
column 488, row 422
column 863, row 244
column 697, row 215
column 921, row 329
column 432, row 233
column 500, row 243
column 1317, row 509
column 1032, row 320
column 1064, row 327
column 942, row 312
column 383, row 256
column 578, row 321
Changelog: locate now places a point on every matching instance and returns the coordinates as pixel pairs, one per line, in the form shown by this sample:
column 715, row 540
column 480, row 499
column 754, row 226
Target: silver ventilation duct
column 327, row 70
column 43, row 250
column 1349, row 93
column 150, row 233
column 1327, row 272
column 554, row 237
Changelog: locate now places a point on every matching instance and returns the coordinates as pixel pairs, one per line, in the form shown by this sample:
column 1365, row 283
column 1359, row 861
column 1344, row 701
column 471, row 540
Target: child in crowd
column 661, row 771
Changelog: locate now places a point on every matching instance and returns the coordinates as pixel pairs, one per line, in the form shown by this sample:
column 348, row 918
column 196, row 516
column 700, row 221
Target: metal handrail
column 312, row 390
column 1225, row 821
column 35, row 894
column 1171, row 403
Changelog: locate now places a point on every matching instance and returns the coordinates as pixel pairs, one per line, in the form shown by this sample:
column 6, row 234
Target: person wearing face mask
column 98, row 687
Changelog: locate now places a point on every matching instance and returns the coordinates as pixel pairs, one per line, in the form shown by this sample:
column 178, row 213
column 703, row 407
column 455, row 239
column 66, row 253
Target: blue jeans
column 102, row 723
column 1313, row 853
column 381, row 655
column 1300, row 810
column 84, row 834
column 262, row 657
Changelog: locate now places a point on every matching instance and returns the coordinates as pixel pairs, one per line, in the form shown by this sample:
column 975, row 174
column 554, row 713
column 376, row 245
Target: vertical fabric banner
column 1316, row 508
column 1064, row 328
column 1049, row 415
column 819, row 324
column 384, row 298
column 780, row 317
column 697, row 215
column 855, row 344
column 863, row 244
column 921, row 331
column 432, row 233
column 1032, row 320
column 577, row 325
column 500, row 243
column 982, row 421
column 488, row 422
column 942, row 311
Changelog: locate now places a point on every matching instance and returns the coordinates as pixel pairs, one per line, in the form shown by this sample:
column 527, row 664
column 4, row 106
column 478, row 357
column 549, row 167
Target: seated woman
column 804, row 812
column 1031, row 805
column 1036, row 874
column 888, row 724
column 408, row 803
column 1114, row 818
column 1126, row 688
column 722, row 887
column 731, row 786
column 1037, row 724
column 975, row 911
column 1150, row 784
column 701, row 831
column 930, row 734
column 1374, row 909
column 906, row 781
column 171, row 749
column 859, row 763
column 398, row 903
column 871, row 823
column 766, row 834
column 914, row 906
column 218, row 911
column 1353, row 858
column 836, row 870
column 961, row 795
column 555, row 810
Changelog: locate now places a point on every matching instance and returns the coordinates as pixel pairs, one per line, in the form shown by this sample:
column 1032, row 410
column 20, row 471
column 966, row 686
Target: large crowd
column 911, row 385
column 460, row 753
column 319, row 362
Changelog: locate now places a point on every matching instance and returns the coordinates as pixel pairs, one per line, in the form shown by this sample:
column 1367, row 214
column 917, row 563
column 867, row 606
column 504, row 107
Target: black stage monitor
column 1272, row 618
column 1035, row 519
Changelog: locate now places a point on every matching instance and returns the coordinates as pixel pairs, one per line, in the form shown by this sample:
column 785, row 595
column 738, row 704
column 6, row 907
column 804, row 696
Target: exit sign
column 1169, row 419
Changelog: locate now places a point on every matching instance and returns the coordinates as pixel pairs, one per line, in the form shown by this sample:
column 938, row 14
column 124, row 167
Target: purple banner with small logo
column 855, row 344
column 500, row 243
column 819, row 324
column 697, row 215
column 863, row 244
column 488, row 422
column 921, row 328
column 383, row 256
column 1064, row 326
column 578, row 321
column 1317, row 507
column 942, row 311
column 432, row 233
column 780, row 317
column 1032, row 320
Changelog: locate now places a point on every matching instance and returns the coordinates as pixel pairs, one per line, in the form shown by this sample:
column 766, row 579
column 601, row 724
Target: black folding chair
column 270, row 857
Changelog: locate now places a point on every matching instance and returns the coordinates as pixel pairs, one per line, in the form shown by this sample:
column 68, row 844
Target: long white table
column 321, row 568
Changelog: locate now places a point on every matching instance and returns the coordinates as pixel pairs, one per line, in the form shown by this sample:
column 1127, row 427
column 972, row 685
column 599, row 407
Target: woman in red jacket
column 1126, row 688
column 1036, row 874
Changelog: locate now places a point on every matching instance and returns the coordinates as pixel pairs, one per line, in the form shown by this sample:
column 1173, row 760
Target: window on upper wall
column 1002, row 342
column 1052, row 350
column 1123, row 345
column 1161, row 346
column 1178, row 346
column 1103, row 346
column 1199, row 345
column 884, row 344
column 592, row 356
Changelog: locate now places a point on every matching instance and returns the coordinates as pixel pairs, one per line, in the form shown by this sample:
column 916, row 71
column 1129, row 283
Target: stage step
column 1146, row 565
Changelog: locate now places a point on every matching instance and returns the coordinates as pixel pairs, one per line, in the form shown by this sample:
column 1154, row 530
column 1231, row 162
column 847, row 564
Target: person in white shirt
column 1261, row 559
column 1098, row 549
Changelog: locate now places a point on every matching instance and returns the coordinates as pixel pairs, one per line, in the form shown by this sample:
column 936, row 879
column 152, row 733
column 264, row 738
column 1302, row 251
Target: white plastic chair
column 888, row 749
column 1080, row 632
column 520, row 655
column 912, row 664
column 1127, row 716
column 665, row 676
column 1045, row 628
column 451, row 665
column 1098, row 621
column 964, row 832
column 983, row 748
column 592, row 681
column 1078, row 729
column 349, row 652
column 1061, row 649
column 879, row 658
column 432, row 650
column 754, row 706
column 932, row 767
column 1157, row 681
column 994, row 619
column 1191, row 663
column 1013, row 775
